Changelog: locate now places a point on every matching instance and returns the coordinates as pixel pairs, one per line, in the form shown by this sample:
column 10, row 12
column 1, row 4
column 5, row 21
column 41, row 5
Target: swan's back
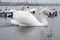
column 25, row 17
column 22, row 14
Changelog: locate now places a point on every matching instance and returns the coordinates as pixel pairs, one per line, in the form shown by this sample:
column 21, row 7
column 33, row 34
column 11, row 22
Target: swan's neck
column 43, row 19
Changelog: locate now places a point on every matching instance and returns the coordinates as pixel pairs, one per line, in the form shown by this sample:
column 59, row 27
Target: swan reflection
column 46, row 35
column 34, row 32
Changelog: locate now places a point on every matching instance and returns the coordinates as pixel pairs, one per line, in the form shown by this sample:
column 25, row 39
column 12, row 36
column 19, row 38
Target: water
column 52, row 32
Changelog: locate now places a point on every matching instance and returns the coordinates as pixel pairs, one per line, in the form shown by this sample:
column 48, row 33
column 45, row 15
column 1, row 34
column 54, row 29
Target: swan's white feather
column 25, row 17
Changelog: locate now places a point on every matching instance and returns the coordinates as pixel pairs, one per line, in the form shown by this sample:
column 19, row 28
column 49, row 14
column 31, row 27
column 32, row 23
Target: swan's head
column 48, row 12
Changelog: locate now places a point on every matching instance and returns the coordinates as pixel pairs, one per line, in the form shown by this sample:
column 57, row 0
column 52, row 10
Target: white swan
column 25, row 18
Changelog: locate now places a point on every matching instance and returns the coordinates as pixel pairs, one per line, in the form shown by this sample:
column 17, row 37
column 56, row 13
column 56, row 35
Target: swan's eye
column 46, row 14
